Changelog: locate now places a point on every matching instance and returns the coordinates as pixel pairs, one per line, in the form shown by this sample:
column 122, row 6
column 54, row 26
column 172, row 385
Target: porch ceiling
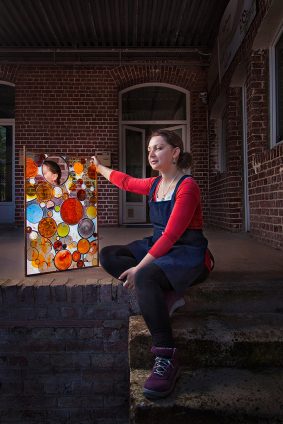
column 107, row 30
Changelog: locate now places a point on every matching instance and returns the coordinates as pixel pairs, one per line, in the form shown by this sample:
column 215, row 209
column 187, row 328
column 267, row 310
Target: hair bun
column 185, row 160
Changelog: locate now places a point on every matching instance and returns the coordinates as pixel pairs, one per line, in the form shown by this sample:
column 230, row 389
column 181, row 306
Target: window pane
column 6, row 163
column 279, row 88
column 134, row 159
column 153, row 103
column 7, row 101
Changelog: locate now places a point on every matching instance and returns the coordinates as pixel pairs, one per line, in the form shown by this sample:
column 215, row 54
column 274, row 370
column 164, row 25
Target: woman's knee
column 145, row 277
column 105, row 255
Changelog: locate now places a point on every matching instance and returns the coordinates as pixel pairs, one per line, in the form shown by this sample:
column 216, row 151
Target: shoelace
column 161, row 365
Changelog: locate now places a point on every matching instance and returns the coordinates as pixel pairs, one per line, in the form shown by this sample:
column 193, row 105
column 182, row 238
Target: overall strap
column 176, row 188
column 153, row 187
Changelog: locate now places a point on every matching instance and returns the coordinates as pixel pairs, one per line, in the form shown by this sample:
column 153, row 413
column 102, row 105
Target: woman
column 161, row 267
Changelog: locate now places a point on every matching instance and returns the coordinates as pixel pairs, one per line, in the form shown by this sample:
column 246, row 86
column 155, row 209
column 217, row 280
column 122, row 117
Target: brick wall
column 63, row 352
column 73, row 110
column 265, row 164
column 225, row 188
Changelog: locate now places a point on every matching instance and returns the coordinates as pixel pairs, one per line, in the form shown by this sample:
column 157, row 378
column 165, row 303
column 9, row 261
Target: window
column 7, row 101
column 7, row 114
column 276, row 91
column 154, row 103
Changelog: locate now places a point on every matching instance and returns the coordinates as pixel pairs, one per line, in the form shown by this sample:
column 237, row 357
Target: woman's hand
column 101, row 169
column 95, row 161
column 129, row 274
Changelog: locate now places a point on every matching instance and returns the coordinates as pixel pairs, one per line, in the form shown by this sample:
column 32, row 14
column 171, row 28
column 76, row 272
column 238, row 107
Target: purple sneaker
column 173, row 301
column 165, row 372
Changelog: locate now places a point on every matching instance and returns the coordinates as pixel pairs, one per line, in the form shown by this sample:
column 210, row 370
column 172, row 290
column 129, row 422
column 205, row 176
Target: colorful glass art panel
column 60, row 213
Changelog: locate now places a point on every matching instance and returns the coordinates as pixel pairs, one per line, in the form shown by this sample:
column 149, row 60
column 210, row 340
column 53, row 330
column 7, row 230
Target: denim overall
column 185, row 260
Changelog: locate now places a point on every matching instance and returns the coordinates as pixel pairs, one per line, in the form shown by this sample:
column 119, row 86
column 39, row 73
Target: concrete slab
column 213, row 396
column 246, row 340
column 236, row 254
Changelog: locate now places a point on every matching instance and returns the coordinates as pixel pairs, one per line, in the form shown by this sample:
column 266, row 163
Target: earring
column 174, row 161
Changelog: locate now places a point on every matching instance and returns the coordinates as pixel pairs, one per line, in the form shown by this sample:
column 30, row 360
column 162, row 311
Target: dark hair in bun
column 185, row 158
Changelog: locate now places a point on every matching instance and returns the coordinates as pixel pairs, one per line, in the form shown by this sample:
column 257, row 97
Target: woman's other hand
column 129, row 275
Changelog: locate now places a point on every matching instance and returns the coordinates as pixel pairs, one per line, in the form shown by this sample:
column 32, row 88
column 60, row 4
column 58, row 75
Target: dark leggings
column 150, row 284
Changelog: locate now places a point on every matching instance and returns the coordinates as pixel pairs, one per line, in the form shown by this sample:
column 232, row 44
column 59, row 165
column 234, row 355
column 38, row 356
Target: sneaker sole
column 152, row 394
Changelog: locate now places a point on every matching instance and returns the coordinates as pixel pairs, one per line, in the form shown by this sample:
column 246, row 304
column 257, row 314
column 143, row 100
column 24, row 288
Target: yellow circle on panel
column 30, row 191
column 91, row 212
column 63, row 229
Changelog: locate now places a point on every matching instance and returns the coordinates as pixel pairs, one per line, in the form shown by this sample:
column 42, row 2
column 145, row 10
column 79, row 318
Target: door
column 7, row 198
column 134, row 205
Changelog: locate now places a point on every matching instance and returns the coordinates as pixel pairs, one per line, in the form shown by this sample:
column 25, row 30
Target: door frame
column 245, row 161
column 124, row 202
column 9, row 207
column 169, row 123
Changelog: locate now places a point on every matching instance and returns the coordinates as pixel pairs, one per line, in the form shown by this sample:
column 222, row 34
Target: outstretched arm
column 124, row 181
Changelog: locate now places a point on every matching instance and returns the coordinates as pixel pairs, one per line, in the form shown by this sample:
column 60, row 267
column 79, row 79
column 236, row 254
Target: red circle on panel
column 80, row 264
column 71, row 211
column 91, row 172
column 63, row 260
column 76, row 256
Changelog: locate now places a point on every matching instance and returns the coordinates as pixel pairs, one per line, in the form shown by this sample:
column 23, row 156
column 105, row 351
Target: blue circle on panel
column 34, row 213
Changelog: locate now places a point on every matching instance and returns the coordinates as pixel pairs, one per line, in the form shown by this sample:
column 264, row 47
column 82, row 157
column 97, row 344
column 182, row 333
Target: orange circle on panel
column 47, row 227
column 44, row 192
column 71, row 211
column 31, row 168
column 63, row 260
column 78, row 167
column 83, row 246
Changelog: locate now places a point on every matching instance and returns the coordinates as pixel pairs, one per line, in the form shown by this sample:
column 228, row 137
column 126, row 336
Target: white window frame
column 8, row 208
column 273, row 113
column 221, row 142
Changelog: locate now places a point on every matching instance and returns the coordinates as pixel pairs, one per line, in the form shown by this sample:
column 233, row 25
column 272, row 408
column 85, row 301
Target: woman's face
column 49, row 175
column 161, row 154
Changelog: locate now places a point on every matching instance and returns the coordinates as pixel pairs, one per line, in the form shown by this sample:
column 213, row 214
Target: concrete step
column 213, row 396
column 218, row 294
column 213, row 340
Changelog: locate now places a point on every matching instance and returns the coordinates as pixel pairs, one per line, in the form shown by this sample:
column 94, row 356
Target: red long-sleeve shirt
column 186, row 213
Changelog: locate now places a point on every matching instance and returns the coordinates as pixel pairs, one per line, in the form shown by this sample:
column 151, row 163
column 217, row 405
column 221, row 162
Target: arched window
column 154, row 103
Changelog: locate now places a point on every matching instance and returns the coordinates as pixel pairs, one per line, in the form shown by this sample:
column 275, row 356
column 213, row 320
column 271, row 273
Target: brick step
column 235, row 296
column 213, row 340
column 213, row 396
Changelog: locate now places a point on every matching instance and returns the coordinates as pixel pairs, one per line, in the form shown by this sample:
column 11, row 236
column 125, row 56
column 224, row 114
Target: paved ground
column 237, row 256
